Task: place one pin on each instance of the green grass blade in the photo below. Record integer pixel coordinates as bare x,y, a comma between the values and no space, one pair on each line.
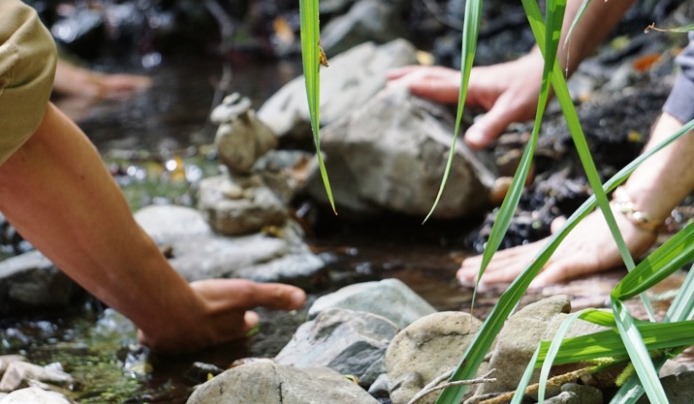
681,309
508,207
519,394
556,344
310,56
609,344
471,27
494,322
640,358
475,353
668,258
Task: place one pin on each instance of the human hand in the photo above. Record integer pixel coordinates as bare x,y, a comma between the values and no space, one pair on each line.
74,81
589,248
507,91
223,313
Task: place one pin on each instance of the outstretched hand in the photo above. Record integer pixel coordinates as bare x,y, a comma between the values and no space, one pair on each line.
589,248
224,313
507,91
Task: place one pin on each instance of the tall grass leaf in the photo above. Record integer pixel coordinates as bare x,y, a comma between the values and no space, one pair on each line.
681,309
668,258
501,311
471,27
640,359
311,59
555,16
475,353
554,349
524,382
657,337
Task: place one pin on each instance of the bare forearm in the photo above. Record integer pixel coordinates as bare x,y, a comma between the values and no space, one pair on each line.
59,195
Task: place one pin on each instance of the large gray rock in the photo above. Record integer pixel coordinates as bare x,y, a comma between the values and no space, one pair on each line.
269,383
349,342
390,155
31,281
367,21
200,253
389,298
425,350
352,79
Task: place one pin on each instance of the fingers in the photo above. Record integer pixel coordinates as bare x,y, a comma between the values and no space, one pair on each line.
277,296
240,294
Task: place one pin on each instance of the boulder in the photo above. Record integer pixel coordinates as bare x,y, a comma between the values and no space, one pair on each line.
269,383
390,156
351,80
425,350
389,298
350,342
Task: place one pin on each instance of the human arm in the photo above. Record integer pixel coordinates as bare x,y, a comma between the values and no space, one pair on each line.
508,91
59,195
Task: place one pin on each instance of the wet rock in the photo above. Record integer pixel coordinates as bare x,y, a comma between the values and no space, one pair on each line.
19,373
270,383
390,155
425,350
572,393
34,395
520,336
200,253
352,79
379,388
679,388
233,208
518,340
30,281
241,138
366,21
350,342
389,298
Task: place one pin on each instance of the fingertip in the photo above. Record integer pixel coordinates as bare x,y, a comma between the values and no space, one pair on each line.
251,320
478,138
297,298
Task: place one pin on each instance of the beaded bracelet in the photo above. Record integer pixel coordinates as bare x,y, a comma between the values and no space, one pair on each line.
621,201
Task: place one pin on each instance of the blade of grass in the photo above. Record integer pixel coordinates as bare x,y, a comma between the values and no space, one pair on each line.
310,56
668,258
471,27
475,353
681,309
640,359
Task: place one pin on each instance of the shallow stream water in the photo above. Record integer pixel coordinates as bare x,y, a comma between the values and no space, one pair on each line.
157,144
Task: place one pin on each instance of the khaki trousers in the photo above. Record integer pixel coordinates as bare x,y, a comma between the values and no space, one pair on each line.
27,69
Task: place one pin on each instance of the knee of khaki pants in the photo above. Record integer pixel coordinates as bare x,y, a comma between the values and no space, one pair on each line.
27,69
